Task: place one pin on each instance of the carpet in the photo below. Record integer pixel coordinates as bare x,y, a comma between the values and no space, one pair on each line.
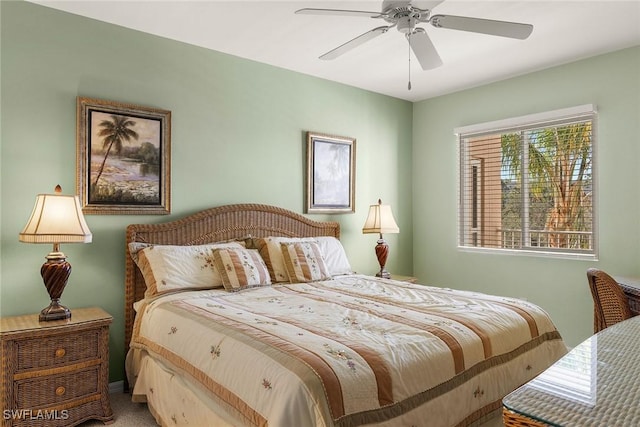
125,413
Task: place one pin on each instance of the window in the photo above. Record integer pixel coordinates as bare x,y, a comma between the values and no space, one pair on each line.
526,184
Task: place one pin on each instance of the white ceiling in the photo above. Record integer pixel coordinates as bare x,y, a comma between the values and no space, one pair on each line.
270,32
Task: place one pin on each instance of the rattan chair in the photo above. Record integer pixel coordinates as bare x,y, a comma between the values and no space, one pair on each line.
610,304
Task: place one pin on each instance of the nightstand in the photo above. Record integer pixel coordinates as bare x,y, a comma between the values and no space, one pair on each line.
404,278
55,373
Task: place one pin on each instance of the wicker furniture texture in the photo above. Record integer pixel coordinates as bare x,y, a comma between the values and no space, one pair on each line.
631,288
512,419
613,388
610,304
55,373
213,225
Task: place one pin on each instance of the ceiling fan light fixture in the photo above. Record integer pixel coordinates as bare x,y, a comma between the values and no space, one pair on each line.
406,25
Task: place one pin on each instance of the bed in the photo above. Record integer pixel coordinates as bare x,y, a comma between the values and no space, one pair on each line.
293,337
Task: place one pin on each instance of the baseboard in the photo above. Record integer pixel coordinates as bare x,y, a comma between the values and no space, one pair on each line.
116,387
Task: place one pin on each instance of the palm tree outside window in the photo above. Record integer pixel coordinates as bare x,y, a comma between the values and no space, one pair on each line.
526,184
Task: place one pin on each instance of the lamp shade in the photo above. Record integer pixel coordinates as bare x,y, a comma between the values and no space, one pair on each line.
56,218
380,220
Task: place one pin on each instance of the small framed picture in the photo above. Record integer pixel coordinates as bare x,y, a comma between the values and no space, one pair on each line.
331,168
123,158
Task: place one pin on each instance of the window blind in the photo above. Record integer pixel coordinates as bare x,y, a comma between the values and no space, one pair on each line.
526,184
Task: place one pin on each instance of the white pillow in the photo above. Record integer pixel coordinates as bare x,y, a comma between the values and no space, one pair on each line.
334,255
168,268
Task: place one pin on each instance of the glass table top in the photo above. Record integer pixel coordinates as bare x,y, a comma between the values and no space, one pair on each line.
596,384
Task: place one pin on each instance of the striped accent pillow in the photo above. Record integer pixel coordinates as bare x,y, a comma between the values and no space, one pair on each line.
304,262
271,253
241,268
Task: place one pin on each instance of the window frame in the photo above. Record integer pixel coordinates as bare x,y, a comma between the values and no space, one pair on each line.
515,124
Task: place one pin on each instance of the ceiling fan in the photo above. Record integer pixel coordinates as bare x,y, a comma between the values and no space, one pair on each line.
404,17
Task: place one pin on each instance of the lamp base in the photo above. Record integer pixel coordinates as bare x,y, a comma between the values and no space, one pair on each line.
382,251
54,311
384,274
55,273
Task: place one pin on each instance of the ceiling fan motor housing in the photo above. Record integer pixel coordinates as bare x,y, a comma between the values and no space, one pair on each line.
403,15
389,5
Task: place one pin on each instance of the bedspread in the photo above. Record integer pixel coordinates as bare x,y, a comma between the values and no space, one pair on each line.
351,351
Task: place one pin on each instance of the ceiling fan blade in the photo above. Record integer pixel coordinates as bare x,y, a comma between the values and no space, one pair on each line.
486,26
312,11
351,44
424,49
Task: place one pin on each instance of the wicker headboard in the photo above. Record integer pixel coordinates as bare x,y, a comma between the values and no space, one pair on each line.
213,225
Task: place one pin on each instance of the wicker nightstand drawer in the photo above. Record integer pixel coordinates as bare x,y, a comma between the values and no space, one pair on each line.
56,373
57,350
55,389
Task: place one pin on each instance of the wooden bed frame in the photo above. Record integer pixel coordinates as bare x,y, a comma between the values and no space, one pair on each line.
212,225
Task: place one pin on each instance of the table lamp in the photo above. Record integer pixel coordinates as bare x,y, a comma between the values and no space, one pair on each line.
380,220
56,219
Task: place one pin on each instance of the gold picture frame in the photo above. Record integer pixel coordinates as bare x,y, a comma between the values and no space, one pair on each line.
123,158
331,169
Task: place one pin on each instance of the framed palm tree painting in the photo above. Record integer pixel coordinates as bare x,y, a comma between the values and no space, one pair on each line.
123,158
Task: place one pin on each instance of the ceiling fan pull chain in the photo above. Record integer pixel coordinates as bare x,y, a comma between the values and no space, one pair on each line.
409,38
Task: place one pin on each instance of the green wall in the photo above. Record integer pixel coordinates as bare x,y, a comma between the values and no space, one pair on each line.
238,135
612,83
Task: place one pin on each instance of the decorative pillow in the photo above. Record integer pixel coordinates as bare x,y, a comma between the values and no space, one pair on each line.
168,268
135,247
271,253
241,268
304,262
245,241
334,255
